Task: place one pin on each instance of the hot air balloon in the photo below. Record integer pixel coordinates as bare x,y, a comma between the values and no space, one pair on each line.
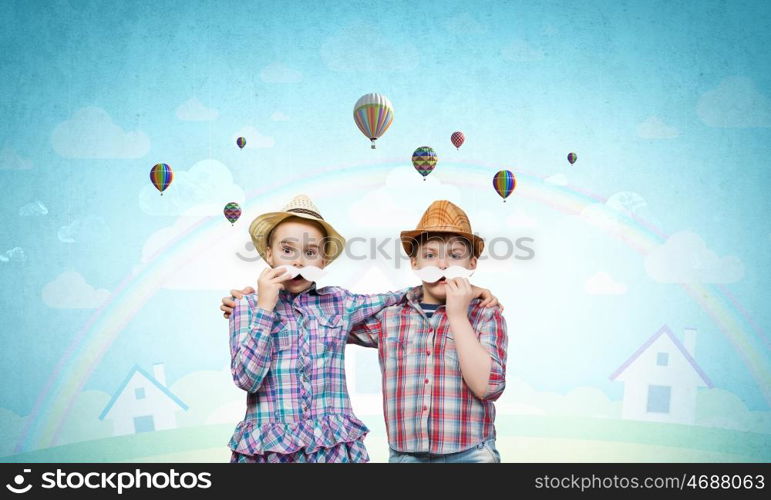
161,176
373,115
232,212
424,160
241,142
504,183
572,157
457,139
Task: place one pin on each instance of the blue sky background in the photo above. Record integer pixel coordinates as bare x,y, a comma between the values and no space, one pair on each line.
527,83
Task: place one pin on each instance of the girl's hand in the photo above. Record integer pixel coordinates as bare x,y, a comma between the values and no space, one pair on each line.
459,295
270,282
228,303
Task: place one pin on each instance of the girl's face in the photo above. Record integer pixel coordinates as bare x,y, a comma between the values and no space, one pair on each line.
442,252
299,244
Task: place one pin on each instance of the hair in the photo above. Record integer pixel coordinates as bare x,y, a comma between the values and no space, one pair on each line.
294,218
423,238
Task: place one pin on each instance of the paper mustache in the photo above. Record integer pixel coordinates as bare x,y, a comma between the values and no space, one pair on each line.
430,274
310,273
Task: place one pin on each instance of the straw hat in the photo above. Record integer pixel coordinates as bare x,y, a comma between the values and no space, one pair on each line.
443,216
300,206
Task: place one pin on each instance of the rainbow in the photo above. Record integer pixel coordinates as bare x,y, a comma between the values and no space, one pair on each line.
92,341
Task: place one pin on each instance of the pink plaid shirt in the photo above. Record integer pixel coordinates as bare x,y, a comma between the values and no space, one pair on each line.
428,407
290,362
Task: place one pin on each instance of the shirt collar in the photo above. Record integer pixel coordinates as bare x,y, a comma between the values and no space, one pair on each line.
311,290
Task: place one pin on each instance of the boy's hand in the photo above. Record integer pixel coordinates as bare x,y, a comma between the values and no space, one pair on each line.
488,299
228,303
459,295
270,282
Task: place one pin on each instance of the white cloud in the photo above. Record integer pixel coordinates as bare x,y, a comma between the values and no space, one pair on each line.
557,179
88,229
736,102
91,133
655,128
685,258
254,139
721,408
521,398
624,204
520,219
232,262
602,283
32,209
15,254
464,24
280,73
278,116
195,111
363,47
82,422
10,160
70,291
521,51
203,190
399,204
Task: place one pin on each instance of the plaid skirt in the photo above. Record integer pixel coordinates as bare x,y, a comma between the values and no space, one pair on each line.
341,453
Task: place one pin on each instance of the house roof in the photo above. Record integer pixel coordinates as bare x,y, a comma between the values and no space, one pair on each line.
149,377
664,330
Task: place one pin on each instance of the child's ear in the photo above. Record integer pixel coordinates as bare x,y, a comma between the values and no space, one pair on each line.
269,256
472,264
414,262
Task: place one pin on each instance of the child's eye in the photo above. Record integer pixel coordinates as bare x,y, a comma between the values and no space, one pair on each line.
457,256
311,253
286,250
428,256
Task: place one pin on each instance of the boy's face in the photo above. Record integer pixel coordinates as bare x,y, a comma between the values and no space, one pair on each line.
442,252
299,244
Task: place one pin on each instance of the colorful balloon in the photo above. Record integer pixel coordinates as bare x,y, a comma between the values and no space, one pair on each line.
241,142
457,139
232,212
504,183
572,157
424,160
161,176
373,115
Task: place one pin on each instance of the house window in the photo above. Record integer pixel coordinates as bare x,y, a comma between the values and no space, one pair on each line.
139,393
658,398
144,424
662,359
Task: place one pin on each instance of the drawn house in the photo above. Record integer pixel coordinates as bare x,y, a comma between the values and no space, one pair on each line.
661,379
143,403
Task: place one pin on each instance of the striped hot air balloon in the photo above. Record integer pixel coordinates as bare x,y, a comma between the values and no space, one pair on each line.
457,139
241,142
373,115
504,183
161,176
424,160
572,157
232,212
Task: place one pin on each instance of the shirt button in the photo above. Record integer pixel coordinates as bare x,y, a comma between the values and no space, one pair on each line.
425,381
425,408
428,353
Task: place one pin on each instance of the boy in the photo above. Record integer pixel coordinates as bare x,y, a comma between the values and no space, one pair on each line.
442,355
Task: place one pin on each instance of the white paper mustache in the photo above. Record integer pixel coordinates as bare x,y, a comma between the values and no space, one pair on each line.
430,274
310,273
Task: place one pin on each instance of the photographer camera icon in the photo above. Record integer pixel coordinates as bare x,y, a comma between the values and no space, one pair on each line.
19,481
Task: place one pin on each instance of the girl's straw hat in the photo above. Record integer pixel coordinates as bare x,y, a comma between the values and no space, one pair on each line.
300,206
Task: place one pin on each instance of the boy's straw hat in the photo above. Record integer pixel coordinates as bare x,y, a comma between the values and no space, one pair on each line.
300,206
443,216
